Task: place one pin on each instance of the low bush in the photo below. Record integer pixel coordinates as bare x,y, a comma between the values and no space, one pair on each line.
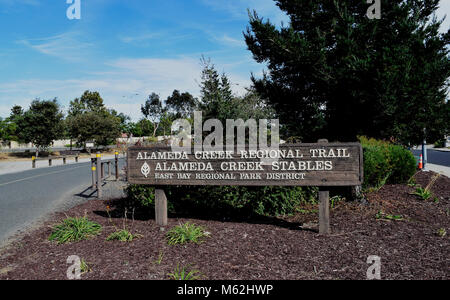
266,201
440,143
223,200
186,233
74,230
139,196
403,165
386,163
123,236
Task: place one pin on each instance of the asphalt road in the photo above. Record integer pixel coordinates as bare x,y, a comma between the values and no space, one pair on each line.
28,196
441,158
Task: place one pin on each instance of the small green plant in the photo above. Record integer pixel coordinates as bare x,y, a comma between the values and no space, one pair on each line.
442,232
123,236
412,182
185,233
160,258
382,216
85,267
185,273
74,230
335,200
424,194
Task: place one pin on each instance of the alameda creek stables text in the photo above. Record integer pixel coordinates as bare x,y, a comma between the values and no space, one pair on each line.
291,165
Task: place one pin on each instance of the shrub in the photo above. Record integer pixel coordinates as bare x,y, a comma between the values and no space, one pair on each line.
186,233
386,163
376,166
139,196
403,164
267,201
440,143
74,230
122,236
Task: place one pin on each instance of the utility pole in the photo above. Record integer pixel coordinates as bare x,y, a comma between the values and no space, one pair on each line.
424,149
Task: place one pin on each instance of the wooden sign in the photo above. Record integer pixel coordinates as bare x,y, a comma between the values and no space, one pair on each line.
321,164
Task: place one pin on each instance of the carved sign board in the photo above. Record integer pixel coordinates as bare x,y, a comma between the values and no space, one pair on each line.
322,164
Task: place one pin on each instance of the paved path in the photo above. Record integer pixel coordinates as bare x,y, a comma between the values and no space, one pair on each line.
27,197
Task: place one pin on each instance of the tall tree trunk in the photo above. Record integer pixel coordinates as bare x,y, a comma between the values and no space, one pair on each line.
156,126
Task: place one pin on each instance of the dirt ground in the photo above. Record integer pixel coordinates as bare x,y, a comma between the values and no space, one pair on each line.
261,248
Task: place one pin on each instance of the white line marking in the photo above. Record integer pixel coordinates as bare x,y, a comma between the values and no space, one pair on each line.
36,176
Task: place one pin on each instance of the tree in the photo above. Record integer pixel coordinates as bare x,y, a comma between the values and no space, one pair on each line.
165,124
102,128
218,102
90,120
335,73
2,129
216,95
42,123
124,120
88,102
181,105
142,128
11,125
153,111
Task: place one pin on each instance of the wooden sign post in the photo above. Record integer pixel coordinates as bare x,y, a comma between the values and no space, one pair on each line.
322,164
161,207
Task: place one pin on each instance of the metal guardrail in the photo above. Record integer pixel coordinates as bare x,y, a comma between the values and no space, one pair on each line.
98,171
52,158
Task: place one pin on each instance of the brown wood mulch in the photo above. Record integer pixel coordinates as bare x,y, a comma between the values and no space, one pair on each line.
266,248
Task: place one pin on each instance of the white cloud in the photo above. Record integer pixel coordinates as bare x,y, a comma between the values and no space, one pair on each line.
68,46
231,42
141,37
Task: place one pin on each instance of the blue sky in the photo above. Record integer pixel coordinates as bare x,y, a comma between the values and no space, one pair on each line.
125,49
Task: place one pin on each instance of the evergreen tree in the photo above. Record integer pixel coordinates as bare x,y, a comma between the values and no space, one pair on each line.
216,94
335,73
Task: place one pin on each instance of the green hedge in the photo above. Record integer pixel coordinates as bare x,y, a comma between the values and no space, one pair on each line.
386,163
226,200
